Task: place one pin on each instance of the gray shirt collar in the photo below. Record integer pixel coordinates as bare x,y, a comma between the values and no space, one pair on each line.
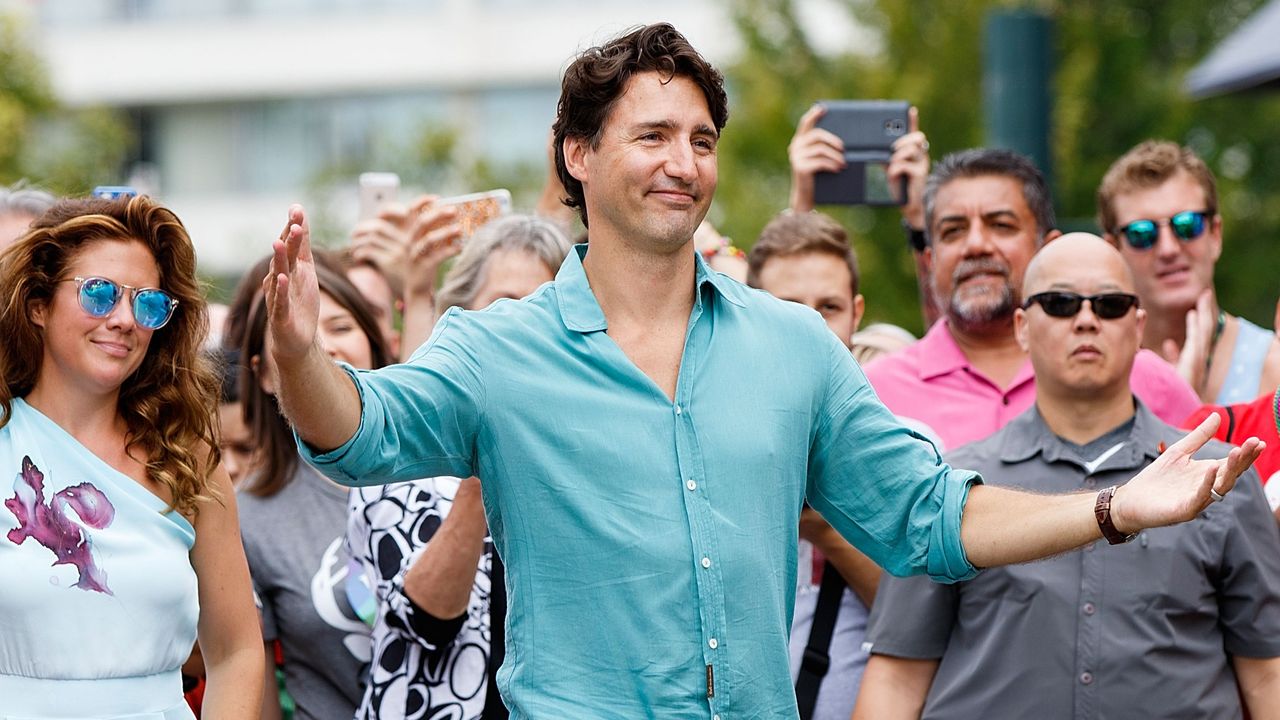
1027,435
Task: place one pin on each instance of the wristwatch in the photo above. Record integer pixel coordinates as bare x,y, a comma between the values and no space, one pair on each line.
1102,511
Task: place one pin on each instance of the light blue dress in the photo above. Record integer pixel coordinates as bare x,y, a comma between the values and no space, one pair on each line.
98,601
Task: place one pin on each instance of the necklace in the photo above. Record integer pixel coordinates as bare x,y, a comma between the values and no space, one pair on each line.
1213,344
1275,410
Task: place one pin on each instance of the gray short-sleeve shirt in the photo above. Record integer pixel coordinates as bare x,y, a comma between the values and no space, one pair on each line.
1139,630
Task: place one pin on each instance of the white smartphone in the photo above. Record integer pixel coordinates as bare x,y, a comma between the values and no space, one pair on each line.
476,209
377,189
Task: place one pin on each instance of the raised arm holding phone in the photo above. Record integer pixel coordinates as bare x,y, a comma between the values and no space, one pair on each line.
814,150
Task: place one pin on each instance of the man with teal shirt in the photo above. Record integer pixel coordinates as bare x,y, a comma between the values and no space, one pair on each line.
646,430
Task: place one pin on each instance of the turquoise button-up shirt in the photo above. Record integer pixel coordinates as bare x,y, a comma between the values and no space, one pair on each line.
650,545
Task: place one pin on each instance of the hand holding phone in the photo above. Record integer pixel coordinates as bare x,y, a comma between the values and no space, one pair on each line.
476,209
377,189
868,130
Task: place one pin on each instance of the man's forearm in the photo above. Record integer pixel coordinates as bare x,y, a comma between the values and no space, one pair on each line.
1002,526
319,399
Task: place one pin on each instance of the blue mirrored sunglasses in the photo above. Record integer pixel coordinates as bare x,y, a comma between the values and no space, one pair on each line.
1186,225
152,307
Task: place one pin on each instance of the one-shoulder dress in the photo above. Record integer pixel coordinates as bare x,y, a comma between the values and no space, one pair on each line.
98,601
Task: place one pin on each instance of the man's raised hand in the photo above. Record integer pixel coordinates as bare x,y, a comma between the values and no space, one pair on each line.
291,290
1176,487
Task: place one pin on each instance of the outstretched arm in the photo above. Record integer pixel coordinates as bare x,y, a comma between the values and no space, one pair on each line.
315,394
1003,526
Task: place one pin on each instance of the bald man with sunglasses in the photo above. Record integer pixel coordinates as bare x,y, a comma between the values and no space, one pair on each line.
1158,204
1175,622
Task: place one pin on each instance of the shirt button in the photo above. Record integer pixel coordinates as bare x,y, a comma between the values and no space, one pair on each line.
691,484
706,562
1086,678
1004,400
678,410
1089,608
713,643
715,717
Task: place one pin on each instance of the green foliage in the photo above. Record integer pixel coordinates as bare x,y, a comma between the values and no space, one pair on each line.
68,155
78,150
24,94
1118,77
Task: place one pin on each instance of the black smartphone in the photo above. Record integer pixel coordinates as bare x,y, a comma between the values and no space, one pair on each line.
868,129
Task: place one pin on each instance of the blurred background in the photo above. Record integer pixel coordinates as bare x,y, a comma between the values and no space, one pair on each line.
229,110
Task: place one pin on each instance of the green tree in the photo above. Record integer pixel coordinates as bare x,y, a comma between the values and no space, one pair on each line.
24,95
67,152
1118,79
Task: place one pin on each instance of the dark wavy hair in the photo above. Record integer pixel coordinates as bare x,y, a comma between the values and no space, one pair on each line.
595,80
167,404
277,456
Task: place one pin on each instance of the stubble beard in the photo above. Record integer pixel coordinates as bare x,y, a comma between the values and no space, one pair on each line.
979,311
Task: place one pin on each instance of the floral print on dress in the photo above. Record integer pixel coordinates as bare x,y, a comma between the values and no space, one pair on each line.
51,525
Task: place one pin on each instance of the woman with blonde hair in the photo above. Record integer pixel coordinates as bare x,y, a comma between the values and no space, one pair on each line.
118,537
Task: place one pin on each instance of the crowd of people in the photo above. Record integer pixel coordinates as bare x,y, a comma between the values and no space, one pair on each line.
647,474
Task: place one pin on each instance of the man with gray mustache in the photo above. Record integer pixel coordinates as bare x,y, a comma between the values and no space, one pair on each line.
987,211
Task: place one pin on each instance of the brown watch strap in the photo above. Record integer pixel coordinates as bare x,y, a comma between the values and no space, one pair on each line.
1102,511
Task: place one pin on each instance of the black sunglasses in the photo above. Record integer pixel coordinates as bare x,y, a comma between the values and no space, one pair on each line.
1186,225
1107,306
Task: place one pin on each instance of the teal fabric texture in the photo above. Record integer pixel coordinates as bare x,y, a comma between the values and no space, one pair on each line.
651,542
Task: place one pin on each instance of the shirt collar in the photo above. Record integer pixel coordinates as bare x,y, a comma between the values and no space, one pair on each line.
1027,435
939,353
580,311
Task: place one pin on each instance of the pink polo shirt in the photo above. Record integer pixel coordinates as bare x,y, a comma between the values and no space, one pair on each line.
931,381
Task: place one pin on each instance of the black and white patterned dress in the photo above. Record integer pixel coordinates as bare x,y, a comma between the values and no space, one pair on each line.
422,667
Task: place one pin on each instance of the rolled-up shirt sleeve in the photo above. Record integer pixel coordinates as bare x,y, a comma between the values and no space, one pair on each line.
417,419
882,486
